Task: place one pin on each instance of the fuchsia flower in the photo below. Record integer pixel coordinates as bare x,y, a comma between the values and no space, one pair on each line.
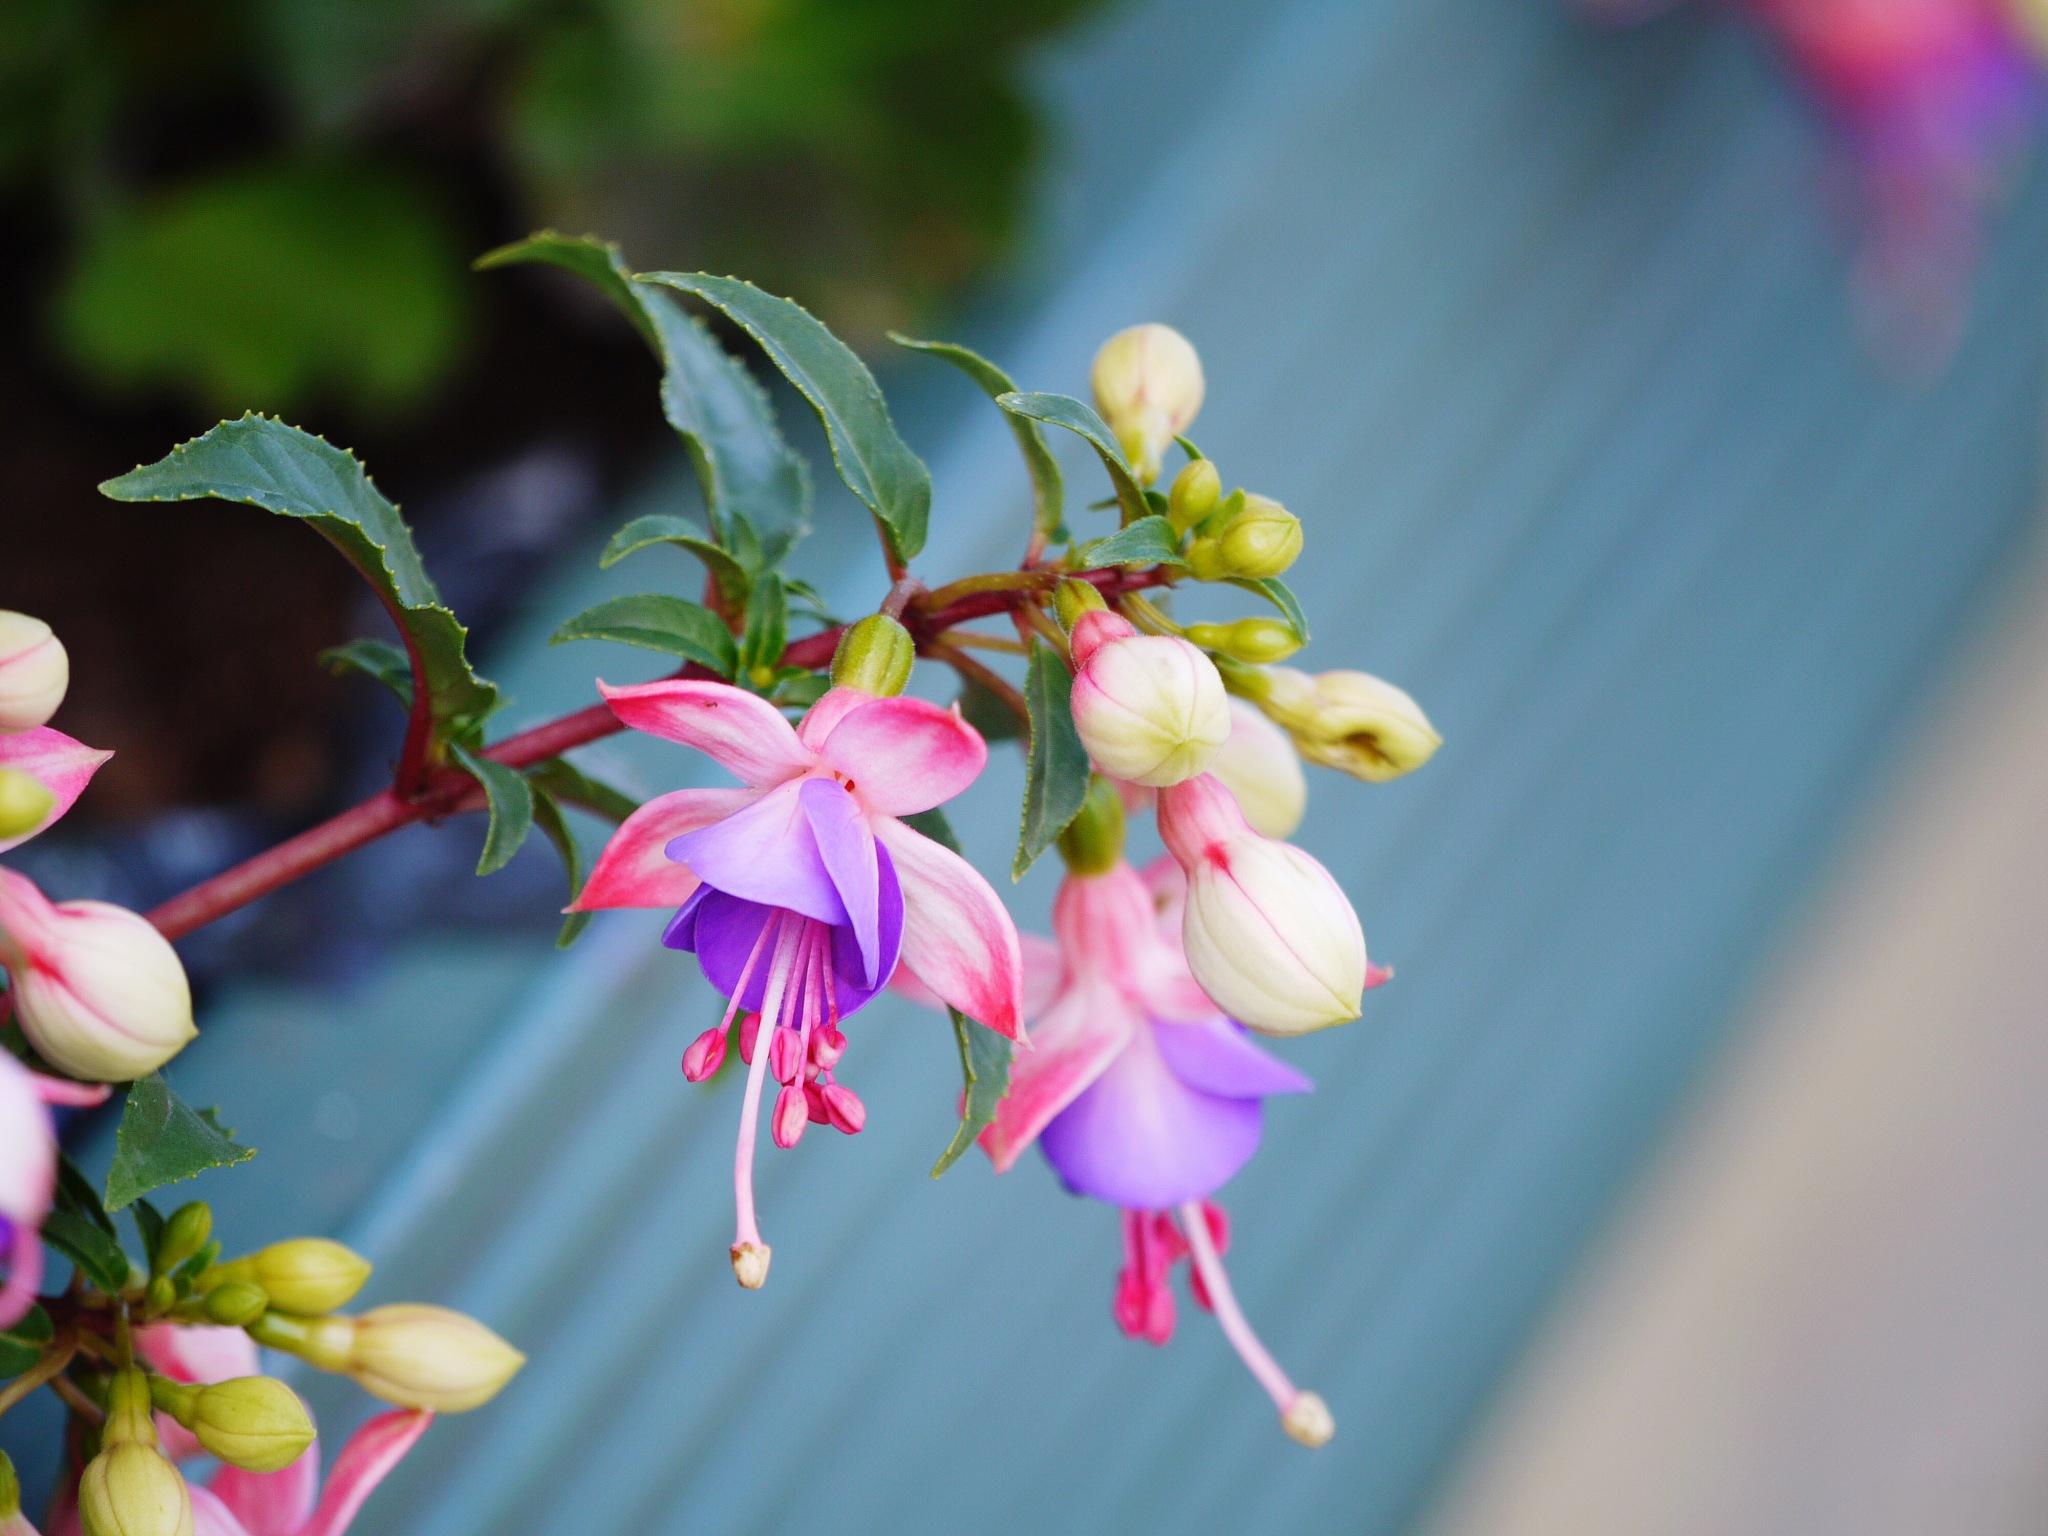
800,892
28,1174
1142,1093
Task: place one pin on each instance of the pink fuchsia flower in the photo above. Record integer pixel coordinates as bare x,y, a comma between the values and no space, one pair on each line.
800,891
1142,1094
28,1175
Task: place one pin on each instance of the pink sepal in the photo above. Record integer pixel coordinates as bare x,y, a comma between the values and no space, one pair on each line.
742,732
1095,629
1072,1045
902,756
211,1515
63,766
634,870
368,1458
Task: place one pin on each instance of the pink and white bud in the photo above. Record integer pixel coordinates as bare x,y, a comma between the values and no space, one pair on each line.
1269,934
1148,386
98,991
1150,709
34,672
1262,771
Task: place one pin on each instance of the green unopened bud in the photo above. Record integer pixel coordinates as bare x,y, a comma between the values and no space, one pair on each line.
236,1304
253,1422
324,1343
25,803
133,1490
162,1294
1262,540
1072,598
1196,490
10,1493
308,1275
421,1356
128,1410
1094,840
184,1234
874,657
1258,641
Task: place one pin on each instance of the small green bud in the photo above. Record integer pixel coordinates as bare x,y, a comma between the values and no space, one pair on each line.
875,657
1196,490
236,1304
325,1343
1072,598
308,1275
133,1490
25,803
252,1422
162,1294
128,1410
184,1234
1094,840
1258,641
1263,540
10,1489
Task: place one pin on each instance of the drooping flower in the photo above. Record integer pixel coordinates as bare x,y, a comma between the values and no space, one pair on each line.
800,891
1141,1093
28,1174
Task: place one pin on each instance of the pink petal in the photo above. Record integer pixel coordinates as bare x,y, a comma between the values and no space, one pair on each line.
1081,1034
743,732
270,1503
1042,971
212,1517
64,766
905,755
364,1462
956,934
633,870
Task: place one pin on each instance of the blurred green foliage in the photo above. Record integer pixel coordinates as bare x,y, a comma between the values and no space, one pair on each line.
259,200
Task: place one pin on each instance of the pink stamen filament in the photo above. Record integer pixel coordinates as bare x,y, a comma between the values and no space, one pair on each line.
1209,1265
788,929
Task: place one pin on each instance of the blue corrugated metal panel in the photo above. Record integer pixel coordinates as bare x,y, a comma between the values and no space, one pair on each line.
1536,326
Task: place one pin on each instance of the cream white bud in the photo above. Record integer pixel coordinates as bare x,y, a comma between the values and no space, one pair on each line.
1262,771
1351,721
131,1489
1150,709
421,1356
99,992
1269,934
1148,387
34,672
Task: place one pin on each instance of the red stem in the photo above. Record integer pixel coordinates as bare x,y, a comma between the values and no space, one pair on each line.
448,789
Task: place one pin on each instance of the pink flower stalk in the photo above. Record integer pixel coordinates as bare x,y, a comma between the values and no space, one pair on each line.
28,1175
1143,1094
800,892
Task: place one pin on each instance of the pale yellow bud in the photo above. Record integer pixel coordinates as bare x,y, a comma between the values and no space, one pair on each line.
421,1356
1148,387
34,672
252,1422
1352,721
874,657
307,1275
1196,490
131,1489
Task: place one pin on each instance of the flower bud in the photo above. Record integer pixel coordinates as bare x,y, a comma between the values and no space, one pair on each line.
1255,641
34,672
12,1521
1268,933
1262,771
421,1356
1093,841
1262,540
98,991
307,1275
1072,598
236,1304
25,803
253,1422
184,1234
1150,709
131,1489
1195,492
874,656
1351,721
1148,387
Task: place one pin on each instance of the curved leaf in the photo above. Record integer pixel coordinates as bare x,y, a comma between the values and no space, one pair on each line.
666,528
510,799
654,621
1281,596
1149,541
162,1140
876,464
1048,490
261,462
1066,411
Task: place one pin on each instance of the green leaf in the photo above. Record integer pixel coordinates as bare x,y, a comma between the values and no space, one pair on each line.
570,785
1056,768
510,799
149,1225
76,1195
654,621
876,464
264,463
1048,491
22,1342
162,1141
378,660
665,528
1281,596
1149,541
97,1255
1066,411
767,631
757,489
547,815
988,714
